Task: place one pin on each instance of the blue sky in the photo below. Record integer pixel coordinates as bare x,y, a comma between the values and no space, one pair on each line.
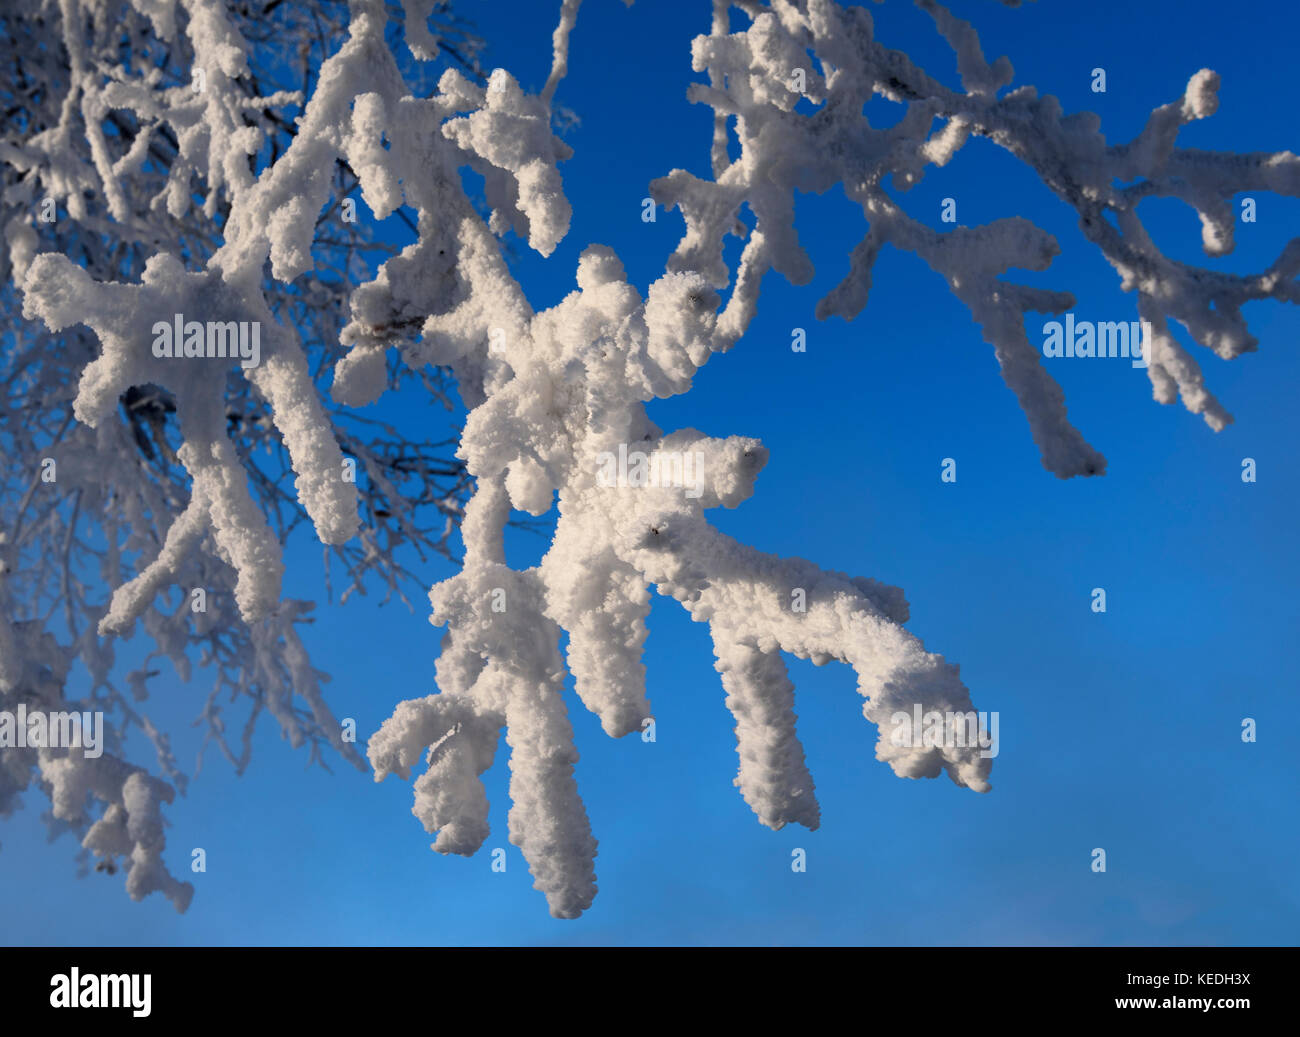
1119,731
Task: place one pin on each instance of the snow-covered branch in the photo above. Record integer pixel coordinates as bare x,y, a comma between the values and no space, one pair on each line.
557,395
556,398
132,134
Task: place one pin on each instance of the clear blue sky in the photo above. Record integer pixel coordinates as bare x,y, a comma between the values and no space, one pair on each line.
1119,731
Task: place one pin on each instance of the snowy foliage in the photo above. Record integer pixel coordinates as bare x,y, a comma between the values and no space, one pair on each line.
131,134
570,383
551,393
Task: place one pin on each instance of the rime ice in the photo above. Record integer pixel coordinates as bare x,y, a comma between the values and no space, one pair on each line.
552,393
